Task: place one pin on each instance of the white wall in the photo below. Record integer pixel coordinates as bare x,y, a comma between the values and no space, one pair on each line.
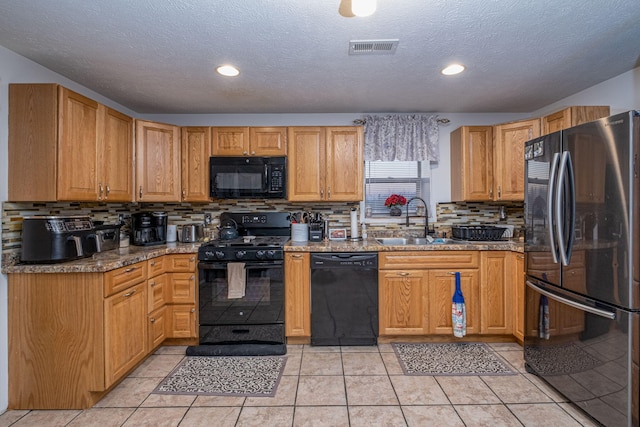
622,93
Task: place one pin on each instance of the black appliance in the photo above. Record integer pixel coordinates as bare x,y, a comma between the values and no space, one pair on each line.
51,239
149,228
248,177
344,298
582,296
241,288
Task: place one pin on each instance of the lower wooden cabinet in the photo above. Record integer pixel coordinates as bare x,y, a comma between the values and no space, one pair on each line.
517,263
496,299
125,342
74,335
442,285
404,300
297,284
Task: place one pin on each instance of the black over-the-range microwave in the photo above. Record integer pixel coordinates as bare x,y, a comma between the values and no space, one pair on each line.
248,177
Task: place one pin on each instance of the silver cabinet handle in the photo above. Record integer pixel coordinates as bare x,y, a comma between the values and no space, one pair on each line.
128,294
141,191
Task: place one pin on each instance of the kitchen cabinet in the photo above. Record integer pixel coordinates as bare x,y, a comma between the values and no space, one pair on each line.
517,264
88,330
572,116
472,163
195,152
508,158
325,164
297,280
182,318
65,146
405,296
249,141
157,162
442,285
157,284
416,290
496,300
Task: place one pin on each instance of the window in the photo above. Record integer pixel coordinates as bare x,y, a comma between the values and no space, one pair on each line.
409,179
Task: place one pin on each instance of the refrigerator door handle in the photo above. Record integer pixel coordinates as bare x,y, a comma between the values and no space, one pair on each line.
550,197
598,312
572,218
565,171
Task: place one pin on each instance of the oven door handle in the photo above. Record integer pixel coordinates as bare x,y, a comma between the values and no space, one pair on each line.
248,265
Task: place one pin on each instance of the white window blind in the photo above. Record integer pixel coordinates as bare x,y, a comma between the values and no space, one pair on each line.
408,179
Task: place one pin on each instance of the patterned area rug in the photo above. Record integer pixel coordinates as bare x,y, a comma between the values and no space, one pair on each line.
450,359
225,376
560,359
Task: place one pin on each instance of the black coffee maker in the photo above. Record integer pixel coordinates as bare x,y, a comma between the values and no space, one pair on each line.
149,228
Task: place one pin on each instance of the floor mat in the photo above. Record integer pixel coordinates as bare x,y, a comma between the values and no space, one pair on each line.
225,376
450,359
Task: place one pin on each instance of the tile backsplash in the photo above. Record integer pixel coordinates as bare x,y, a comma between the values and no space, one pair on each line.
447,214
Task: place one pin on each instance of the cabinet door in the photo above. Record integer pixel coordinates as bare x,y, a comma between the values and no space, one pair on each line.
185,263
403,302
508,156
157,162
344,164
156,291
157,328
116,153
181,288
196,146
442,285
125,325
572,116
518,295
78,127
181,322
496,300
268,141
297,295
230,141
306,164
472,163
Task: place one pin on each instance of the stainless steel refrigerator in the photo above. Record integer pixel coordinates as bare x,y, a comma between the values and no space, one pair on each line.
582,297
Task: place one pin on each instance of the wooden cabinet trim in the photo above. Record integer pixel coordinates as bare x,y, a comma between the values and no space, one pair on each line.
429,259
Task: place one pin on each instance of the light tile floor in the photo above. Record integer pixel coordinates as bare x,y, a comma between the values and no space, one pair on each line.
329,386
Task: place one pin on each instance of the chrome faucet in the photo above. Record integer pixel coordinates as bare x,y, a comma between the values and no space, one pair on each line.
426,215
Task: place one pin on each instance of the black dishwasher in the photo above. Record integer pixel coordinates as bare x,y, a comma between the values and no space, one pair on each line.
344,298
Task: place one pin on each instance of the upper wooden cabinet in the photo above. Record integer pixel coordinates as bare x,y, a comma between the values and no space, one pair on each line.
472,163
73,148
508,158
325,164
157,162
249,141
572,116
195,152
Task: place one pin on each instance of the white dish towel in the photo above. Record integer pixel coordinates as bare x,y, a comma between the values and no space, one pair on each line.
236,280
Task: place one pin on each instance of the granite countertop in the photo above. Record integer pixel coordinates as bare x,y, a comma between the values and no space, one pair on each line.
106,261
371,245
110,260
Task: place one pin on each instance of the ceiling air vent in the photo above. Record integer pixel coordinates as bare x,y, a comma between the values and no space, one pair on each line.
373,47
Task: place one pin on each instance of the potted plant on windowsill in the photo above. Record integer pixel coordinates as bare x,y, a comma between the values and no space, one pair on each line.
394,202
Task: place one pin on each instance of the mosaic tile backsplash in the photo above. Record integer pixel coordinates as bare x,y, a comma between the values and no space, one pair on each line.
447,214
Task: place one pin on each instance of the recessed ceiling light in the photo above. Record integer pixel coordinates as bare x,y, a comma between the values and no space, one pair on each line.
363,7
228,70
453,69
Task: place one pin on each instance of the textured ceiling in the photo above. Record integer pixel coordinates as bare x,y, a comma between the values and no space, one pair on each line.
157,56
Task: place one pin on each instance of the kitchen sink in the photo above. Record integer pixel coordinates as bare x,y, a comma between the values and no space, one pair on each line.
399,241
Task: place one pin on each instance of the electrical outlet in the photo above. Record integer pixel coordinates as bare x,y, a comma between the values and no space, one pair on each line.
208,219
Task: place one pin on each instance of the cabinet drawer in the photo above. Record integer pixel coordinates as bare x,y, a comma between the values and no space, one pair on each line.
429,259
181,288
124,277
157,328
182,263
156,290
156,266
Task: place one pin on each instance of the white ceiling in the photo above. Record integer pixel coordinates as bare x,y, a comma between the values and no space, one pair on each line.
156,56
